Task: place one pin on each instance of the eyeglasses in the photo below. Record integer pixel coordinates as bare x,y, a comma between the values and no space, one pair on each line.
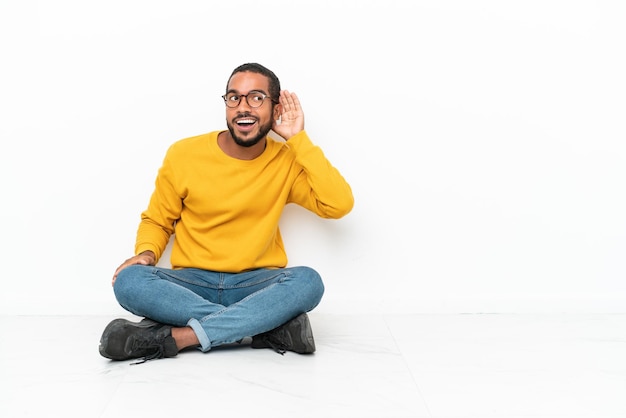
254,99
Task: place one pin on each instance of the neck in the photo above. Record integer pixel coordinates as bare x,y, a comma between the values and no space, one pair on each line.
230,147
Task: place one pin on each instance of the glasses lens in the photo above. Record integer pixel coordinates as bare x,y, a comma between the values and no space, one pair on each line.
255,99
232,99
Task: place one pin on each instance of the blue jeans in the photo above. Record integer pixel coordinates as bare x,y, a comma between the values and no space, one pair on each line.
221,308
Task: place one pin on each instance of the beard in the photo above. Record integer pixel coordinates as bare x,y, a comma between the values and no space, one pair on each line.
242,142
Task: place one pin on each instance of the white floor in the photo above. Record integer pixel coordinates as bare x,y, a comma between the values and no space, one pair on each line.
379,366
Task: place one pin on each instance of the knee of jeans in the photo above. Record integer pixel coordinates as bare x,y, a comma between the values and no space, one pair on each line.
126,280
313,282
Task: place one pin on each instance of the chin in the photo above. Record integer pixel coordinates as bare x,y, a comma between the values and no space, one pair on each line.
250,142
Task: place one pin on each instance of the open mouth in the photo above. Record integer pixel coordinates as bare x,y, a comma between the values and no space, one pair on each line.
245,124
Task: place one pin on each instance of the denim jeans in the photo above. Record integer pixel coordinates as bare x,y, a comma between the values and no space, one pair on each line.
221,308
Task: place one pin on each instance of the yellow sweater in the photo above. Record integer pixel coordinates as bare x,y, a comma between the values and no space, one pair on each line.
225,212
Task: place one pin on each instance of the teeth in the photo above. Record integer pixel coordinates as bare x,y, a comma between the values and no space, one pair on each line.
245,121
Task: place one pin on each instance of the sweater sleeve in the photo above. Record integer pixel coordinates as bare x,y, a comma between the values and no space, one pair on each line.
319,186
158,220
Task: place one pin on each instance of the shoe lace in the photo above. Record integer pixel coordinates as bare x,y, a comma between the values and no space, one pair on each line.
275,344
152,344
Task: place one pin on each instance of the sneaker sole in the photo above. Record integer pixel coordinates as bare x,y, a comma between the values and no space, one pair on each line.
306,335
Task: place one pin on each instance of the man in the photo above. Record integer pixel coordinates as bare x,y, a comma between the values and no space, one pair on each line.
222,194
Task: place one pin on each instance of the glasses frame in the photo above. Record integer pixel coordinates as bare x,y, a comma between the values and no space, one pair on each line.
265,96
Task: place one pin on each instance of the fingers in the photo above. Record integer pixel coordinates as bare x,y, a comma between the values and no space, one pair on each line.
120,268
289,101
138,259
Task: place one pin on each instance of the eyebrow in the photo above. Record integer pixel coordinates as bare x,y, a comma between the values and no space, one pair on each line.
251,91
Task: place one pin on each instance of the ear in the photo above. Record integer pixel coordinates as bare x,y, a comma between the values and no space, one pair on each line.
278,110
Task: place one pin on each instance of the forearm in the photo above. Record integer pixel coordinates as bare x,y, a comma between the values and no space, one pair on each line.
322,188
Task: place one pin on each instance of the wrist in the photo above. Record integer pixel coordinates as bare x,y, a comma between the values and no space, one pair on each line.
150,254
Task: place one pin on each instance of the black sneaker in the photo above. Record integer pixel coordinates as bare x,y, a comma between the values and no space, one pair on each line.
295,335
124,340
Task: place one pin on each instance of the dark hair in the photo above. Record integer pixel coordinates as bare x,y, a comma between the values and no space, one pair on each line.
259,69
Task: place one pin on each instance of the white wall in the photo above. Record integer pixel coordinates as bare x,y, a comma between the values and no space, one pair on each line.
484,140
